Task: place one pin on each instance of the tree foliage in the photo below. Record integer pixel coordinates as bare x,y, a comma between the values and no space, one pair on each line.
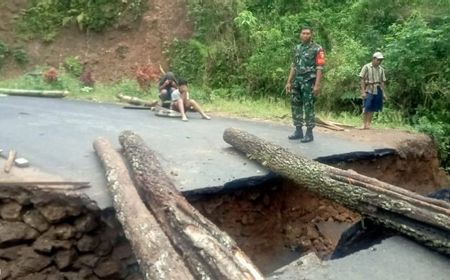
247,45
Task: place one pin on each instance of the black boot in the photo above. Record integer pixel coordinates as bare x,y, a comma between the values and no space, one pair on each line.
298,134
309,137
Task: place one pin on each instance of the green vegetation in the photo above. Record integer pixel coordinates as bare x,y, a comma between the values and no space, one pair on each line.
66,81
18,53
243,48
73,66
44,18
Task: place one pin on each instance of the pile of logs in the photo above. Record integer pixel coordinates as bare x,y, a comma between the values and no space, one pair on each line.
424,219
169,237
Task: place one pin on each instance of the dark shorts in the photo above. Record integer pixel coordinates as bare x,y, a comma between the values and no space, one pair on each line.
373,102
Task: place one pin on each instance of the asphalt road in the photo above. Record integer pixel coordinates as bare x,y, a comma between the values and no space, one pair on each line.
56,136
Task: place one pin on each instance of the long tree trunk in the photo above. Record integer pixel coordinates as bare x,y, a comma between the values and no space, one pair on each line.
157,258
35,93
209,252
425,219
136,101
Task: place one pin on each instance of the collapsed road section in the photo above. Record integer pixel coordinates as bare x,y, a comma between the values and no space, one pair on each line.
58,233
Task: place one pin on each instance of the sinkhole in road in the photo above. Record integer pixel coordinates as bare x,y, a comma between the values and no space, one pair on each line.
53,235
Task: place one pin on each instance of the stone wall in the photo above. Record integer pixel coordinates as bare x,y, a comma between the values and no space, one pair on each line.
59,235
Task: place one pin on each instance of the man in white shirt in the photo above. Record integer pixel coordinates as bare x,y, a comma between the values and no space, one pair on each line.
372,79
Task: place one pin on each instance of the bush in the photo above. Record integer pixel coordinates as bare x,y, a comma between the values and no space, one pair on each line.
43,18
73,66
20,56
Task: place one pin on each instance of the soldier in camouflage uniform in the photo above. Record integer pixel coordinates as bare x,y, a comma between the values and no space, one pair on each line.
304,84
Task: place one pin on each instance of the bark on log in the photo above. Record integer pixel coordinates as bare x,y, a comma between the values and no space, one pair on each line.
35,93
136,101
9,161
156,257
208,252
426,220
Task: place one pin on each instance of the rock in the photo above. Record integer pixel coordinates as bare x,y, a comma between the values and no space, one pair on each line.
34,276
85,273
16,231
65,258
87,243
29,262
135,276
86,223
55,212
53,273
70,275
11,253
11,211
122,251
62,232
104,248
311,232
89,260
21,162
4,269
34,219
46,245
108,269
21,196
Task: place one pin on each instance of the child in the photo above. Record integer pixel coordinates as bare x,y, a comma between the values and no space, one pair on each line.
181,101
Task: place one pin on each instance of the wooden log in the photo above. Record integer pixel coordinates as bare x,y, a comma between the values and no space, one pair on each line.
208,252
404,211
9,161
156,257
35,93
136,101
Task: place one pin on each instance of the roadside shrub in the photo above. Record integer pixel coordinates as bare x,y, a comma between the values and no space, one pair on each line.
87,79
145,74
50,75
73,66
20,56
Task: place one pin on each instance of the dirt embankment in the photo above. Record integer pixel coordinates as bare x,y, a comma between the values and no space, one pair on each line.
415,165
110,54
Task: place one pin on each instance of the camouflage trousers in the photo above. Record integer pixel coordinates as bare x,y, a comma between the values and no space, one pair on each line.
302,101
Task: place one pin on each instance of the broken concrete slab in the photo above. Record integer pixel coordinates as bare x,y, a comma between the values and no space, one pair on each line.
394,258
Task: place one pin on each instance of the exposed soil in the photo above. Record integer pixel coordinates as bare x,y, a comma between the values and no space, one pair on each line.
110,54
415,166
277,222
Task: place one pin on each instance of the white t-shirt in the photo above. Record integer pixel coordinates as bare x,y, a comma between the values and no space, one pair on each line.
176,94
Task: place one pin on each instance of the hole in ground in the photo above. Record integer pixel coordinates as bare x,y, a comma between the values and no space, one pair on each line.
276,222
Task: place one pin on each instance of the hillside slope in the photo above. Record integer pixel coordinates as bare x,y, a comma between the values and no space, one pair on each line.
110,54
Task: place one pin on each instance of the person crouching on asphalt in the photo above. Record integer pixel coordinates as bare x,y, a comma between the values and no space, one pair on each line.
167,84
304,84
372,88
181,102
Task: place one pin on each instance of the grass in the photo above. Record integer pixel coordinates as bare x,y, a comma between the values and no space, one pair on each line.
216,101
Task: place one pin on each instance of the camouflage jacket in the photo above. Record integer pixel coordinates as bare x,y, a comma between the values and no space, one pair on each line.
308,58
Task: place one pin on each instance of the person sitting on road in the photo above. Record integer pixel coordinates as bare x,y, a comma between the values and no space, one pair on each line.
167,84
181,101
